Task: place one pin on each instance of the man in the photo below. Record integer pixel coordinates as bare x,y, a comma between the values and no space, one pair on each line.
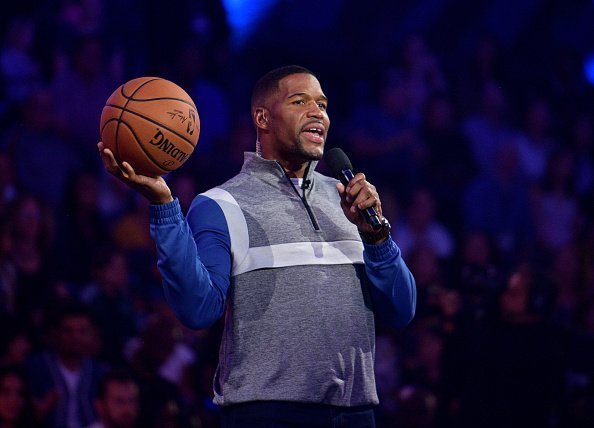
273,247
118,402
64,379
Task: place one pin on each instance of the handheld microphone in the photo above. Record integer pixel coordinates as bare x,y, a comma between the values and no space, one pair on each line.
341,167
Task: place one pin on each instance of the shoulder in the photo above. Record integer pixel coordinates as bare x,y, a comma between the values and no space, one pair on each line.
214,210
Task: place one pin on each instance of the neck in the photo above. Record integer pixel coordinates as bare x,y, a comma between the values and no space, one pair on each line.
71,363
294,170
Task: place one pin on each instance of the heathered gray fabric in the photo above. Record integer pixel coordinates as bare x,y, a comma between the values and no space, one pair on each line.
298,333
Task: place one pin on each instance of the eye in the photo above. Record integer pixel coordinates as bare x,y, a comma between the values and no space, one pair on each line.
299,102
322,106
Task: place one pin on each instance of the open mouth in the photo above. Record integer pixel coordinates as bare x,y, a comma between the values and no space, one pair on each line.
314,134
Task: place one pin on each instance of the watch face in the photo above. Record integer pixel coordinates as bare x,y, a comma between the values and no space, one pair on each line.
379,234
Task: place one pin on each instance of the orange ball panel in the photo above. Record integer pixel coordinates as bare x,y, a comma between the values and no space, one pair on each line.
176,116
163,148
151,123
142,161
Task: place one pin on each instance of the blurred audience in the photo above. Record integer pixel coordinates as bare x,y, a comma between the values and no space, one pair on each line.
481,143
499,203
487,129
79,94
42,159
81,229
31,226
117,403
420,227
535,141
19,69
110,301
557,215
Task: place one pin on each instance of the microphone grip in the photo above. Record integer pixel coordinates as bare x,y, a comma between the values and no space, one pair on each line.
369,214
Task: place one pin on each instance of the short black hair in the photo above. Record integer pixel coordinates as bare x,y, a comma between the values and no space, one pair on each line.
269,82
69,309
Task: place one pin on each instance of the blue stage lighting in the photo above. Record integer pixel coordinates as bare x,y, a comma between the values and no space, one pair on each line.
244,16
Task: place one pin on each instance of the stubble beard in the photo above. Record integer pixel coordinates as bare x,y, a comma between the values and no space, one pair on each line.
305,155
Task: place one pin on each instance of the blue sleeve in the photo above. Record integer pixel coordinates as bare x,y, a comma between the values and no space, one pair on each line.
393,287
194,259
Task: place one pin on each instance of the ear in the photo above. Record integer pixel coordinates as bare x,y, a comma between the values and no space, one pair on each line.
261,117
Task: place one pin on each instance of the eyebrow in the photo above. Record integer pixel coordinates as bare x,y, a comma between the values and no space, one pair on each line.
303,94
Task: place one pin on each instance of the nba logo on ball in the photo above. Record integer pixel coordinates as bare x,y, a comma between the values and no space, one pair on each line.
152,124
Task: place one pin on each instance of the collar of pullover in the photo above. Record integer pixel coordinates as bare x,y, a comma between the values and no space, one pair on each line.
270,171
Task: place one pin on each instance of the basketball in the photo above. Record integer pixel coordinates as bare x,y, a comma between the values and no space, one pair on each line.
152,124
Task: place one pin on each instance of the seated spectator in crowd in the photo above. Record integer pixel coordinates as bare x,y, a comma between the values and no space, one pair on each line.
19,69
65,377
420,227
477,276
86,82
7,270
499,204
42,159
571,287
8,184
422,72
16,406
513,372
117,403
581,140
488,129
15,343
81,230
110,301
383,136
31,228
557,216
430,280
535,142
130,231
449,165
160,399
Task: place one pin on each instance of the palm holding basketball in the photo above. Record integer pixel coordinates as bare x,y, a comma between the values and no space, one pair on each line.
154,189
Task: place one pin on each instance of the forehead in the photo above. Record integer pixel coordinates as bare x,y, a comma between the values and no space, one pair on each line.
75,321
119,388
301,83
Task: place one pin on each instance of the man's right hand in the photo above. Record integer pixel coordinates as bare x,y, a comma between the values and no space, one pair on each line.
154,189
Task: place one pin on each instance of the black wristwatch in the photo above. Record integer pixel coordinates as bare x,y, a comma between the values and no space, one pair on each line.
377,235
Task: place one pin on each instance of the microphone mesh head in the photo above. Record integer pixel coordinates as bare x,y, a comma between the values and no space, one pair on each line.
337,161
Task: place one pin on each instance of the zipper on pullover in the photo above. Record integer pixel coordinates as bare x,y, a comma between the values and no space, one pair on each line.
310,213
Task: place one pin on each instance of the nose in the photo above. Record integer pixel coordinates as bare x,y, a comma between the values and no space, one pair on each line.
315,110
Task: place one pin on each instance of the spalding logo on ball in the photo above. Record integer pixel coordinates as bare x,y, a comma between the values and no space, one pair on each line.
152,124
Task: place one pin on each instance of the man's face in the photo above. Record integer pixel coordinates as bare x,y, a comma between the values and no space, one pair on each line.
75,336
119,407
298,120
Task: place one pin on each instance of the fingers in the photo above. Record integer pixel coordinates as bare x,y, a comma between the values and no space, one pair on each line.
123,170
109,161
128,171
361,194
154,189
